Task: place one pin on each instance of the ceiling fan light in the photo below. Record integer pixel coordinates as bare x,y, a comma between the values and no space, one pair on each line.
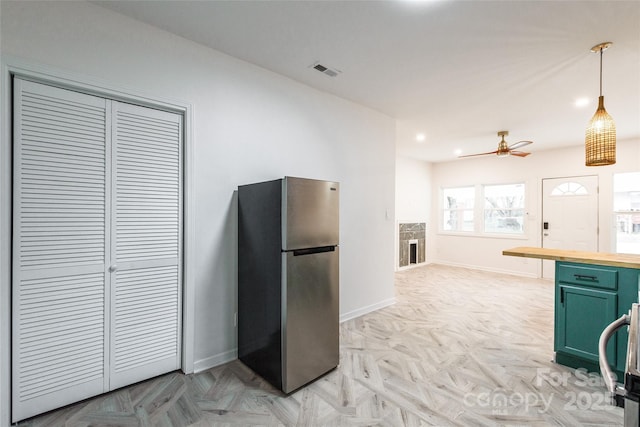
503,148
600,138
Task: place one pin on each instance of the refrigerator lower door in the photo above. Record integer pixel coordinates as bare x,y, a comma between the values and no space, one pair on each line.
310,320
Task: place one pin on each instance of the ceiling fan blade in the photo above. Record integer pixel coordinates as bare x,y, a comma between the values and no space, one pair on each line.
519,144
479,154
519,153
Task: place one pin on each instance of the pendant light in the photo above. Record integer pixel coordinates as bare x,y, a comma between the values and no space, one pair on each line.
600,136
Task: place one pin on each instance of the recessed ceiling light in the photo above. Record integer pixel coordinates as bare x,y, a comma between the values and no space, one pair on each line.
457,152
582,102
420,137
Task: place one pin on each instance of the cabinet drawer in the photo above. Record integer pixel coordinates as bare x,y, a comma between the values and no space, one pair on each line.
596,277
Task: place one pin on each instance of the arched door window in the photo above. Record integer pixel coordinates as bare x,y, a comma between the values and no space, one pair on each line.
569,189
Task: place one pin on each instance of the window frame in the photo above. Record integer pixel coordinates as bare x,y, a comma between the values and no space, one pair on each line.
479,211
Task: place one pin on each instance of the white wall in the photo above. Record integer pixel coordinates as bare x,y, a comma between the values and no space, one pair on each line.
413,189
413,195
248,125
486,253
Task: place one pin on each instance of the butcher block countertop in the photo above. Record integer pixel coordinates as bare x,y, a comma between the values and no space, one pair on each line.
597,258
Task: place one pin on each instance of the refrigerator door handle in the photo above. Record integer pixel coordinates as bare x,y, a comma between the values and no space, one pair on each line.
607,373
310,251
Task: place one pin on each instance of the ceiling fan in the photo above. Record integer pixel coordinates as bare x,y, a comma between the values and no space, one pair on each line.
504,149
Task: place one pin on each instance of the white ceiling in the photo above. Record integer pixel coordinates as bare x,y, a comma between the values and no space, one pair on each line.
457,71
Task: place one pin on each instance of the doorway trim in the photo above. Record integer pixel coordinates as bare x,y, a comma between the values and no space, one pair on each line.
13,66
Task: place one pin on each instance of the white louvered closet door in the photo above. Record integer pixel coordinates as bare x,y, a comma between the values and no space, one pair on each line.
97,246
60,246
146,287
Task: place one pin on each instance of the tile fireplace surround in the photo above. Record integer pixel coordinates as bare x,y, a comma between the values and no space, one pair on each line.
411,233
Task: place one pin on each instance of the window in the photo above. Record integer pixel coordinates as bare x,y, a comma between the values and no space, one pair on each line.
504,208
457,212
626,207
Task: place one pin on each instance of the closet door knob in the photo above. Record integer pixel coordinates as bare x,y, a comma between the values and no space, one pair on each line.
113,268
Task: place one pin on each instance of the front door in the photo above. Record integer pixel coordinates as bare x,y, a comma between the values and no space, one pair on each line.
569,216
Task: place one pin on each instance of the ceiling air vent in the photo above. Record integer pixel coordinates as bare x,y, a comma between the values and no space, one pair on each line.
325,70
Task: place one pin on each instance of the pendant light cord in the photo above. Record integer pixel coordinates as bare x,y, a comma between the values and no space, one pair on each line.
601,51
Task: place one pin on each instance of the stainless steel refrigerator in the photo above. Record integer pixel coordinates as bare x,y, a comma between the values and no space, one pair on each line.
288,285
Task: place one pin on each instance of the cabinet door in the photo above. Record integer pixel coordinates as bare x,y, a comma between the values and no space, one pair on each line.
627,296
581,316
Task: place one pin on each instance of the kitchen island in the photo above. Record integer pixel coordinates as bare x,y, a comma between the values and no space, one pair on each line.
592,289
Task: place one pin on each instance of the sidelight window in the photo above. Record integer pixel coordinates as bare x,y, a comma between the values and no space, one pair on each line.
626,206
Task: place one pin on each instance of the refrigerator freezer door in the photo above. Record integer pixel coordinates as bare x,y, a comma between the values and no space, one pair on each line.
311,344
310,213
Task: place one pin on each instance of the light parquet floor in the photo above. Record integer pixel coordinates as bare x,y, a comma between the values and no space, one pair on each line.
459,348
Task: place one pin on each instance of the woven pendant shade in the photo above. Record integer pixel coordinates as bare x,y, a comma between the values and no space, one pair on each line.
600,138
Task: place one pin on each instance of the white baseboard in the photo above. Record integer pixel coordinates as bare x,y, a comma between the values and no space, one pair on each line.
368,309
216,360
228,356
489,269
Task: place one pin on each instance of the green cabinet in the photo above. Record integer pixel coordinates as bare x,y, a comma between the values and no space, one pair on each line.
587,299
